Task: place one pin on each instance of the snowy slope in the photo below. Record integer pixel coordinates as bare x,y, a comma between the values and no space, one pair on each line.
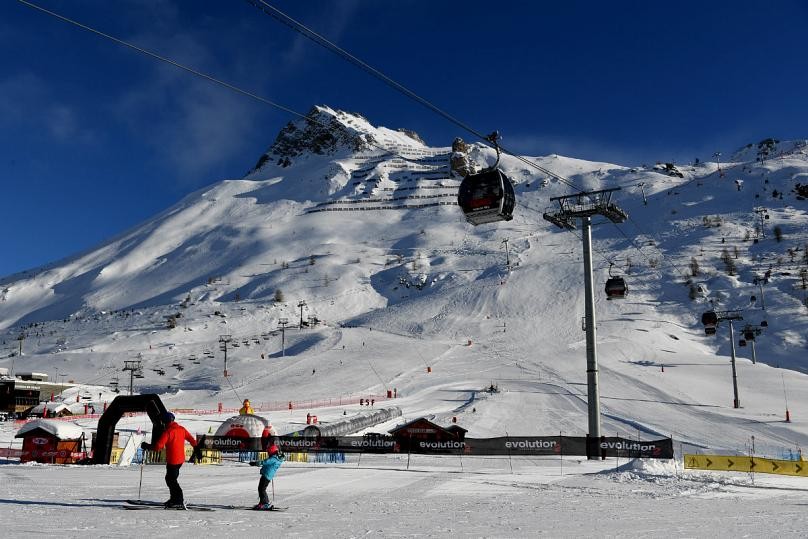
400,288
410,298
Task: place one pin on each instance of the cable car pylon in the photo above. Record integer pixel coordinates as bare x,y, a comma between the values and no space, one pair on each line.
582,206
710,320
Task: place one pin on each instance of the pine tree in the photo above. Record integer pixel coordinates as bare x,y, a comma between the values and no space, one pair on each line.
694,267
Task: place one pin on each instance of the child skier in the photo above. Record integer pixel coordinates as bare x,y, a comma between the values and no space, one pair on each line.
269,467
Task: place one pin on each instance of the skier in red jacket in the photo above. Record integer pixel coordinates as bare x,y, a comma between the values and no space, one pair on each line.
173,439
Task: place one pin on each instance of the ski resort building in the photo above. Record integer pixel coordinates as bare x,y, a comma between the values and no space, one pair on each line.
51,442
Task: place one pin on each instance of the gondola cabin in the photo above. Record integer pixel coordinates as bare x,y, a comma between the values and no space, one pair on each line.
710,322
616,288
486,197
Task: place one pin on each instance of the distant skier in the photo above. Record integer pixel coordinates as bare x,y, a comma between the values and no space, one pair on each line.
269,467
247,409
173,439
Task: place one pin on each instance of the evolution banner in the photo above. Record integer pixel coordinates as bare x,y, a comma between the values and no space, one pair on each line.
504,446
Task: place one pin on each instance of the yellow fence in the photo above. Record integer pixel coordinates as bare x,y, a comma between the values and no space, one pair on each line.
734,463
209,456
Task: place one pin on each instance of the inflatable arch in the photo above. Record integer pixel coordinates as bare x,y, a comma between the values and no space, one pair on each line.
149,403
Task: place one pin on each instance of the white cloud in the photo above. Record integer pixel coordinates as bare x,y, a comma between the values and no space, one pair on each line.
27,102
193,124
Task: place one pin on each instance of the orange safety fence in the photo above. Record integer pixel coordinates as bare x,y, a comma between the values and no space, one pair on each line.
273,406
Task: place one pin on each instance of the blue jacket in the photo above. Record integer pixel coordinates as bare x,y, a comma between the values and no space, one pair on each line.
270,466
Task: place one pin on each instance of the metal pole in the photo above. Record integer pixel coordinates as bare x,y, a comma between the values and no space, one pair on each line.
283,341
591,352
754,353
736,403
762,297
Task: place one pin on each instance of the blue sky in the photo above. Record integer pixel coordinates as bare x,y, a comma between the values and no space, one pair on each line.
97,138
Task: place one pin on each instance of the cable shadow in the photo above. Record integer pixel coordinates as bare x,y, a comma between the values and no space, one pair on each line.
662,402
58,504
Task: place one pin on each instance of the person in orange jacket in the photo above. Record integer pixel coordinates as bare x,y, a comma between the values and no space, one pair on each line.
173,439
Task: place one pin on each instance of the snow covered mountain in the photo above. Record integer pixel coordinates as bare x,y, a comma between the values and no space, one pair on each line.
353,230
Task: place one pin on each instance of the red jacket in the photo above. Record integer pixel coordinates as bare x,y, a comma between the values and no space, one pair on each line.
173,439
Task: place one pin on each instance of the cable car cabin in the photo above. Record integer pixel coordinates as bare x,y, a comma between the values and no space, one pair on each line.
486,197
710,321
742,343
749,335
616,288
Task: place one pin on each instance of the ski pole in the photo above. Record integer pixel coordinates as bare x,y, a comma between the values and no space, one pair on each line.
273,491
142,460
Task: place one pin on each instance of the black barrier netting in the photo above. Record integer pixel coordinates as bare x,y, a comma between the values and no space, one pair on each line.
503,446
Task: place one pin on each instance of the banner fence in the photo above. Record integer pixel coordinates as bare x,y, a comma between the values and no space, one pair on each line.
533,446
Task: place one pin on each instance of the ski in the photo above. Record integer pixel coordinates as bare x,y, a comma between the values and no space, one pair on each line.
248,508
273,508
145,504
148,504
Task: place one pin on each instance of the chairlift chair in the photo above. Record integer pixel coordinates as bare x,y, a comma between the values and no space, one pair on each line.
749,335
487,196
742,342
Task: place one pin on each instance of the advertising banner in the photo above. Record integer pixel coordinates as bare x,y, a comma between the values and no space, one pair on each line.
533,446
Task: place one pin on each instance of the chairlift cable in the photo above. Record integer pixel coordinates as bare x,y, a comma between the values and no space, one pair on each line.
333,47
201,74
336,49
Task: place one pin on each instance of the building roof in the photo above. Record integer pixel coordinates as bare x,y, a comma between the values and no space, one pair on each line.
451,430
64,430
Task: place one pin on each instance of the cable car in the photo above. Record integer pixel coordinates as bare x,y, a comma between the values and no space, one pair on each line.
764,324
742,342
487,196
710,321
749,335
615,286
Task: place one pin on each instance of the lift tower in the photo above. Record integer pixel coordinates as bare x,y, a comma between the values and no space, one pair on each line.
583,206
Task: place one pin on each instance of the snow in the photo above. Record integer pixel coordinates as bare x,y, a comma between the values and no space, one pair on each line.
417,301
380,497
64,430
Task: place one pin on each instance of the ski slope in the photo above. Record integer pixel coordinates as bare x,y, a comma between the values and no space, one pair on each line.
417,301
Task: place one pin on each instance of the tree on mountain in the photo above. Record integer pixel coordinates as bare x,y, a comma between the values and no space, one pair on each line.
279,297
729,263
694,267
778,233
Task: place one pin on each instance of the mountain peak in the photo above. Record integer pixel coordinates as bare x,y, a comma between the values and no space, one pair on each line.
325,131
322,132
